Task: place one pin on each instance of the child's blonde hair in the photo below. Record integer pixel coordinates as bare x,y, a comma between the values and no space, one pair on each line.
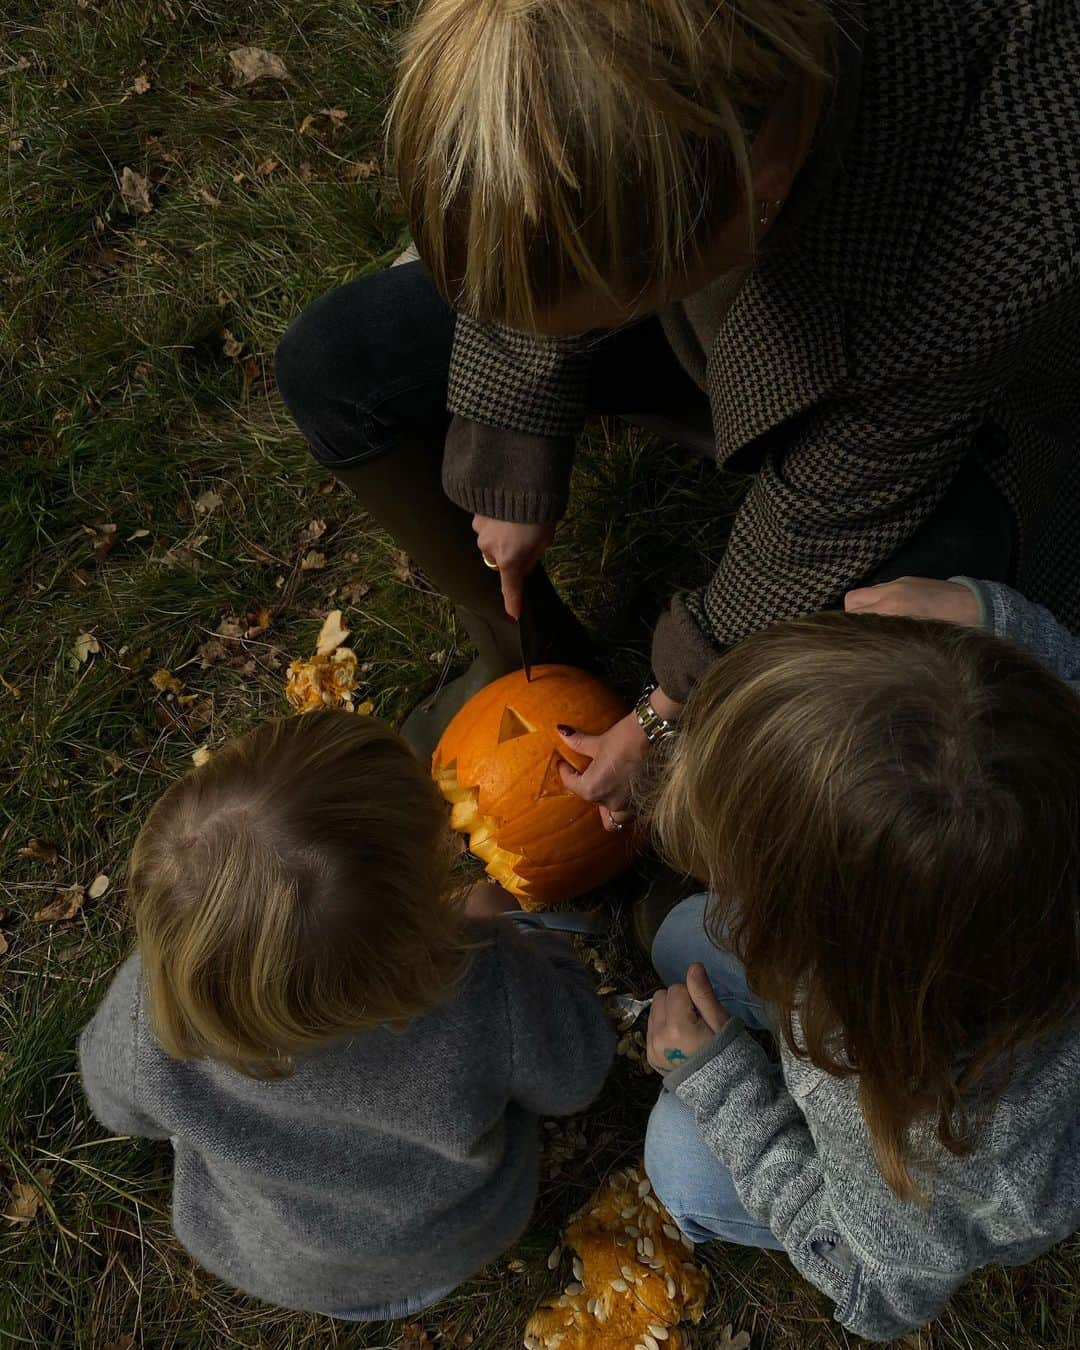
293,890
887,813
545,146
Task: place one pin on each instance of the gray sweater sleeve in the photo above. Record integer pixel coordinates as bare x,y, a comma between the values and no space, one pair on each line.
107,1057
561,1042
755,1127
1006,614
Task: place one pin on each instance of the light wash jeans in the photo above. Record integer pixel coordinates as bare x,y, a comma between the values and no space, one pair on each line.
689,1178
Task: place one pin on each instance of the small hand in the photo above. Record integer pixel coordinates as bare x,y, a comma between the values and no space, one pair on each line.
485,900
515,550
615,757
682,1020
918,597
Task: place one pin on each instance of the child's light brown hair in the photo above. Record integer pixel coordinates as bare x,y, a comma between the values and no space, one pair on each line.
292,890
549,146
887,813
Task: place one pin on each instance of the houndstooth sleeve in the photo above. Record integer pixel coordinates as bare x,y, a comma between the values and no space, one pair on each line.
518,402
851,485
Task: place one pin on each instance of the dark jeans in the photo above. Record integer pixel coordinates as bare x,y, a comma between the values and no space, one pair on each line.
365,367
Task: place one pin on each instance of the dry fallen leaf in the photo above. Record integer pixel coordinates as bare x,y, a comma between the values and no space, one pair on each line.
361,169
166,682
97,887
729,1342
124,1342
66,905
206,503
140,84
25,1198
255,63
414,1337
312,562
104,537
355,590
3,945
232,349
403,567
201,756
41,849
135,191
84,646
314,529
331,635
455,1335
266,167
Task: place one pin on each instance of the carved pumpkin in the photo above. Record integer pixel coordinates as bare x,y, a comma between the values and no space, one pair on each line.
498,763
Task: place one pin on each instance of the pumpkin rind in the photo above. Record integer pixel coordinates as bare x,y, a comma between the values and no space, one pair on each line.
497,764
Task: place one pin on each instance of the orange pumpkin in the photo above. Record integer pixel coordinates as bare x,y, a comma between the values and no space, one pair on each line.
498,764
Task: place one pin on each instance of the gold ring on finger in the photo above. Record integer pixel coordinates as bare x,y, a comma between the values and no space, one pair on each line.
490,562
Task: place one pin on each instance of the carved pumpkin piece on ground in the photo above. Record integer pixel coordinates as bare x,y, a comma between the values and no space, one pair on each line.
634,1281
498,763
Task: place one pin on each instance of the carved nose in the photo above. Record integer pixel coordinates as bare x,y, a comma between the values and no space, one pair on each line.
513,725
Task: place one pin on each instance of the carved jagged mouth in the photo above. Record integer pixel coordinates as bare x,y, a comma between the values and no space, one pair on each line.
466,818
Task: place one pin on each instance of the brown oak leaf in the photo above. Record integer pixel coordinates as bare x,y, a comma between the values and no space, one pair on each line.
66,905
256,63
135,191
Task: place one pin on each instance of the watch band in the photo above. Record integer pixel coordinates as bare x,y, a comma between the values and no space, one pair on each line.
652,724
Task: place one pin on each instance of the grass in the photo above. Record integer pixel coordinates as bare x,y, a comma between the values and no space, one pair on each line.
135,379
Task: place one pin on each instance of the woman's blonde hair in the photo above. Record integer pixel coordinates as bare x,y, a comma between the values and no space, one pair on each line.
546,146
293,890
887,814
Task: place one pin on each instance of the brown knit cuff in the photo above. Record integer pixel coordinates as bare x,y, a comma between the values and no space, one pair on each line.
508,475
681,653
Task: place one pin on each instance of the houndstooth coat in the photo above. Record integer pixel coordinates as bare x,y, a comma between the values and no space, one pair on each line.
933,289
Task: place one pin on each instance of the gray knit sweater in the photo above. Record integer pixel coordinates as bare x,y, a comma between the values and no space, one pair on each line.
390,1166
801,1159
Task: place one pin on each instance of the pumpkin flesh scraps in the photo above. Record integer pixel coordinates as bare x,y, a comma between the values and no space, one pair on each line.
634,1281
323,682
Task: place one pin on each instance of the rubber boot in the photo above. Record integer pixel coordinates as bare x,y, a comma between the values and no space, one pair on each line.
402,490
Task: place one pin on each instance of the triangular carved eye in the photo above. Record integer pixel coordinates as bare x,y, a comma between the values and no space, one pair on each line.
552,785
513,725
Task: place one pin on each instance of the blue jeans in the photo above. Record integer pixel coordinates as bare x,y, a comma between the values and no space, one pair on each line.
688,1177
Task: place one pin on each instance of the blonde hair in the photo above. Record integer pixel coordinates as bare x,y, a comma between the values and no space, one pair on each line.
545,146
887,814
292,890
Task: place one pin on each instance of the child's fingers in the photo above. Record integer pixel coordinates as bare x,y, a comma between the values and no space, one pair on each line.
704,1000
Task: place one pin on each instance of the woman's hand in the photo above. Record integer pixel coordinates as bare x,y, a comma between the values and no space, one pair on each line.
682,1020
918,597
615,757
514,550
485,900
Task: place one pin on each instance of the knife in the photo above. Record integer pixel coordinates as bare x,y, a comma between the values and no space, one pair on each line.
525,633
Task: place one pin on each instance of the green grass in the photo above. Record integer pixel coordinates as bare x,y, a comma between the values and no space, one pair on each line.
123,399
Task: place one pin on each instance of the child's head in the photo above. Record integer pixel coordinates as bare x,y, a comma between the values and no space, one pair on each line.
550,151
887,812
293,890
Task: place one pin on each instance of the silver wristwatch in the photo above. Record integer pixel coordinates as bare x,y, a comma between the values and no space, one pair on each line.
652,724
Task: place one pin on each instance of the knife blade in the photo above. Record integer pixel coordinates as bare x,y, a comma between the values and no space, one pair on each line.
525,633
